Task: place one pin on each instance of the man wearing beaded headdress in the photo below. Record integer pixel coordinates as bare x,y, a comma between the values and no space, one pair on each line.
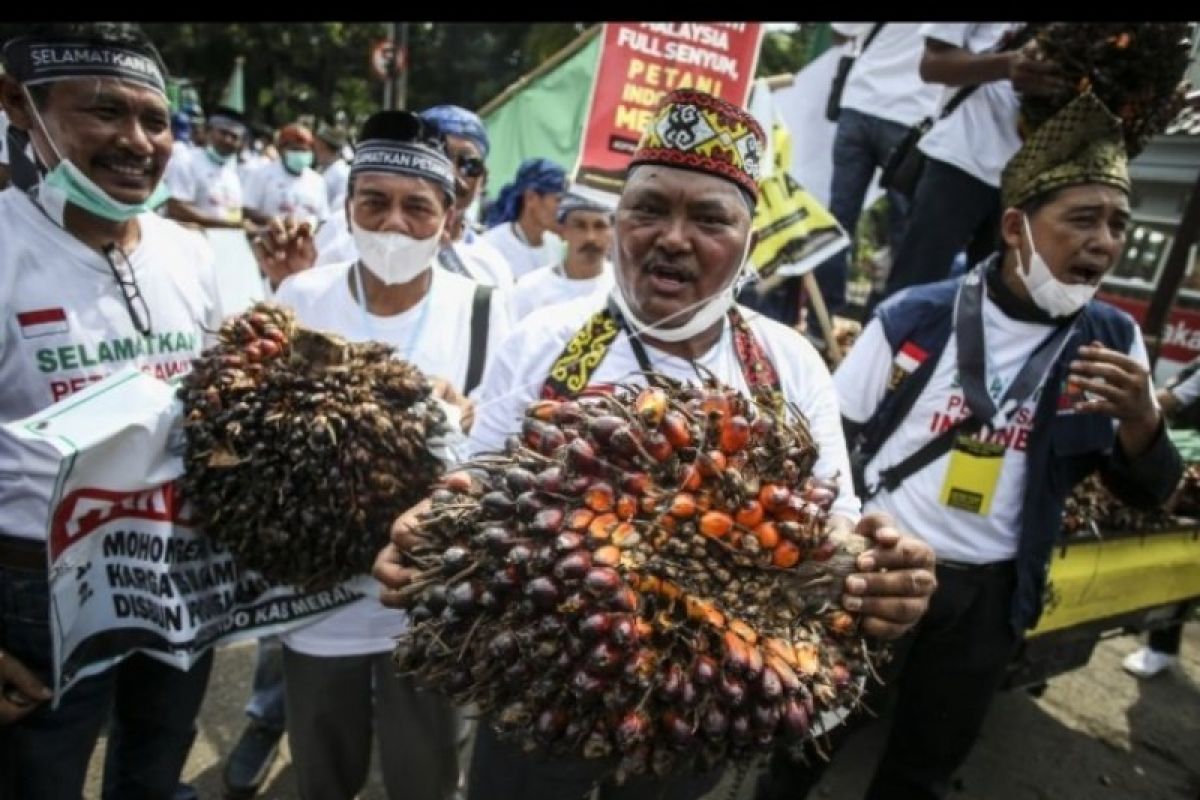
978,403
682,234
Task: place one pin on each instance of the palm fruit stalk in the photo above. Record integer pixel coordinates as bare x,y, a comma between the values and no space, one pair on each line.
1135,68
302,448
649,577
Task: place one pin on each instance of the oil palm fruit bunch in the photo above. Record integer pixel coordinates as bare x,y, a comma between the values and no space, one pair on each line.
1092,507
1135,68
648,576
302,448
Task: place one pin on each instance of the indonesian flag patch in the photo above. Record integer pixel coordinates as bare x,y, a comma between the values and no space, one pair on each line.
906,361
42,322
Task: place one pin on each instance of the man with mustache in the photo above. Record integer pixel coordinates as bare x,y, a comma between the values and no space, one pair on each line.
92,281
979,403
683,231
586,226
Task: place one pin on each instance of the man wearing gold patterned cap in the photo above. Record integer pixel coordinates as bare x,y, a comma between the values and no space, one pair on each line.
683,229
977,404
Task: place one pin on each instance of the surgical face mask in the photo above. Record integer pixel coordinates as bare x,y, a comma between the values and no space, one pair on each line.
394,257
706,314
216,157
297,160
66,183
1051,295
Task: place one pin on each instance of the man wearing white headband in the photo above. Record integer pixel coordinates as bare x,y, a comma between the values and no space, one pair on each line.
401,192
93,282
204,182
683,230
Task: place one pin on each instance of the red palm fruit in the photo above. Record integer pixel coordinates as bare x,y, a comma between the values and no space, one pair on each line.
601,527
550,725
626,506
459,482
689,477
605,658
651,406
703,611
840,623
735,433
601,428
824,551
635,483
268,349
625,441
573,565
808,659
767,535
776,648
744,631
716,524
794,719
568,542
568,412
625,599
253,352
581,457
795,509
641,667
497,505
668,524
606,556
739,728
625,535
704,670
600,497
680,733
550,480
754,660
714,723
528,504
670,683
602,581
683,505
624,631
715,403
595,626
658,447
675,428
543,591
732,689
542,409
785,555
840,675
547,522
578,519
774,497
764,718
587,686
820,493
519,480
712,463
737,656
787,676
633,729
770,686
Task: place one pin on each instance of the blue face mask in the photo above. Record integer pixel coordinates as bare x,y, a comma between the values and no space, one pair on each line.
66,183
297,160
216,157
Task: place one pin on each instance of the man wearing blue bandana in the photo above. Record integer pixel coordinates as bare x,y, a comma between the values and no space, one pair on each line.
521,223
84,260
204,183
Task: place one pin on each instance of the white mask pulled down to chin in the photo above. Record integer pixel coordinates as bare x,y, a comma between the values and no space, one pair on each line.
706,314
1048,293
394,257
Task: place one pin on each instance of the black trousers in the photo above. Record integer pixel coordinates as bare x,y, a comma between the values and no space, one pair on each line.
942,680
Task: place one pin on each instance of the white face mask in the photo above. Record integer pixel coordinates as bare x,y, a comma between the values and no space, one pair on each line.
1051,295
394,257
705,316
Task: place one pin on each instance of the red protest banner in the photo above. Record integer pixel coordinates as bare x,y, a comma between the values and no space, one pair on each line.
638,64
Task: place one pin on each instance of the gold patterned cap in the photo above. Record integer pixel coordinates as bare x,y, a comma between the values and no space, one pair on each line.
1082,143
697,131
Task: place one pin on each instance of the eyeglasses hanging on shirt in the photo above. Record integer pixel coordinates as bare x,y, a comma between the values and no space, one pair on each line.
139,310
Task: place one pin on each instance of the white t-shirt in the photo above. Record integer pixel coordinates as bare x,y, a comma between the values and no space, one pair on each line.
66,326
521,257
954,534
214,189
547,286
980,136
517,370
333,240
337,181
439,330
3,137
274,191
885,81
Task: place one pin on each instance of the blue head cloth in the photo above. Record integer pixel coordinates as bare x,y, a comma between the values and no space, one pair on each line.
457,121
181,126
539,174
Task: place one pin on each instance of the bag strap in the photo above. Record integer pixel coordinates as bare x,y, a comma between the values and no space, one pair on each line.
481,314
871,36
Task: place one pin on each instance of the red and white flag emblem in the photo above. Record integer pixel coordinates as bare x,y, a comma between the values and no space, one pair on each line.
909,357
42,322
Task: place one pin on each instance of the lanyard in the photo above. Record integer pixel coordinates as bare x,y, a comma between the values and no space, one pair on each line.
972,367
413,337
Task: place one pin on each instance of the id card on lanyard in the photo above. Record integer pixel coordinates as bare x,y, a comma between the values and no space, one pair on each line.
975,464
